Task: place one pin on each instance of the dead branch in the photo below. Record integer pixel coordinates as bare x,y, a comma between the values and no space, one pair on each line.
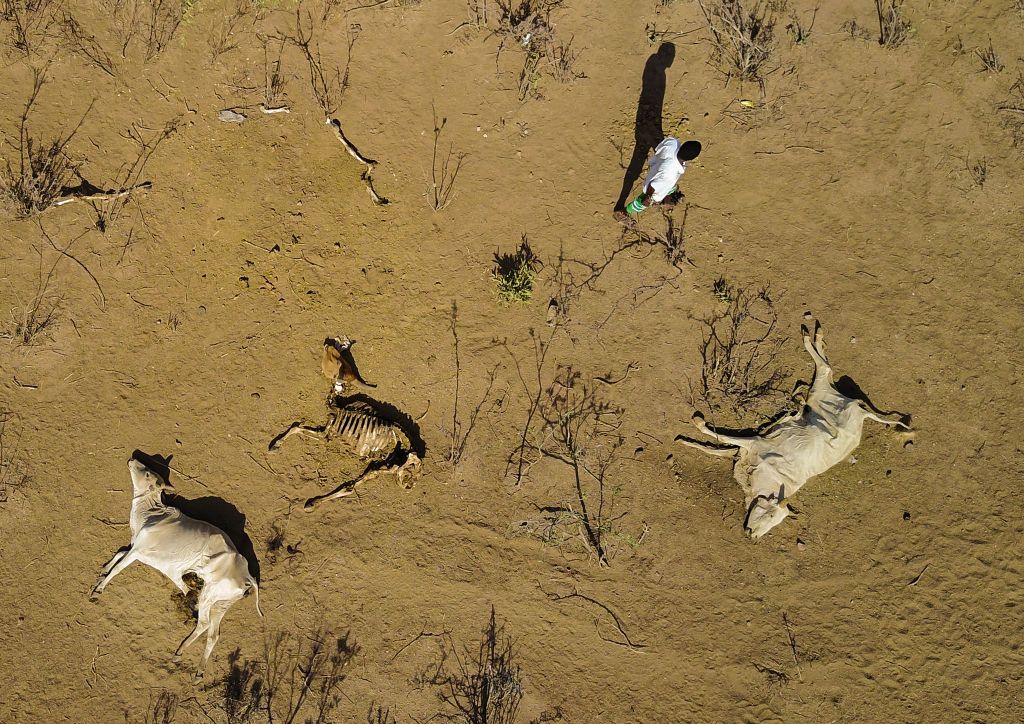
629,643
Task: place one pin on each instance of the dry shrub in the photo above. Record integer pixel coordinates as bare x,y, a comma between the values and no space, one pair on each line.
893,29
30,20
43,169
739,349
297,679
989,58
444,169
12,472
1013,111
224,36
481,685
571,422
743,38
82,43
527,23
162,708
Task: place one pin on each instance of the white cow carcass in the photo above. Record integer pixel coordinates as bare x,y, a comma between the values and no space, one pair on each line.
776,462
166,539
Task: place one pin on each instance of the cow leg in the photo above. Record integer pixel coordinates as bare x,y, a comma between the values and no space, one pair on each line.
212,634
202,623
698,422
722,452
126,560
894,418
822,369
301,428
121,553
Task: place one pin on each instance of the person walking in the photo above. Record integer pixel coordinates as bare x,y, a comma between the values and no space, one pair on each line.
664,169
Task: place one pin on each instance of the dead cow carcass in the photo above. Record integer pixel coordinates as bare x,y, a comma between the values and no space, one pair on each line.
166,539
776,462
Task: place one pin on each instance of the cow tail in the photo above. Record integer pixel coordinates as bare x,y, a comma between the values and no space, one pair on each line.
256,592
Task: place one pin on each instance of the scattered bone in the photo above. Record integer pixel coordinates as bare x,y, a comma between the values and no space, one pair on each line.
354,153
166,539
410,467
275,109
108,195
777,461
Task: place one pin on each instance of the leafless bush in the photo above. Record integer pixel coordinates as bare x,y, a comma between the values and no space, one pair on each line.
978,170
444,169
12,471
124,21
526,21
477,10
80,42
990,59
108,207
223,37
562,62
159,21
739,352
581,430
458,434
529,74
893,29
30,22
298,678
525,455
37,314
1013,108
273,84
481,685
380,715
162,708
328,84
278,547
742,38
673,242
798,31
527,24
43,169
855,30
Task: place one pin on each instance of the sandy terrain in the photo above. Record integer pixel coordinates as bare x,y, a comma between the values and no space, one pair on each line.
192,327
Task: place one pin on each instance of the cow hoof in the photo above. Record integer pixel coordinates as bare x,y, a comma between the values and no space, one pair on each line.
94,596
697,416
310,504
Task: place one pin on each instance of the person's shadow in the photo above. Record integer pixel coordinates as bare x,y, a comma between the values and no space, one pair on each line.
648,132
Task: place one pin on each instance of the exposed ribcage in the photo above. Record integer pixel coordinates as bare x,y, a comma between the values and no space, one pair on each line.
365,431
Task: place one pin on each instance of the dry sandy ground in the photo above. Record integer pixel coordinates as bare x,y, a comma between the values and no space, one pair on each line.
851,198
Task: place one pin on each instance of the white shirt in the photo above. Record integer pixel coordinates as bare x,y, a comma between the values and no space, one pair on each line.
664,169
